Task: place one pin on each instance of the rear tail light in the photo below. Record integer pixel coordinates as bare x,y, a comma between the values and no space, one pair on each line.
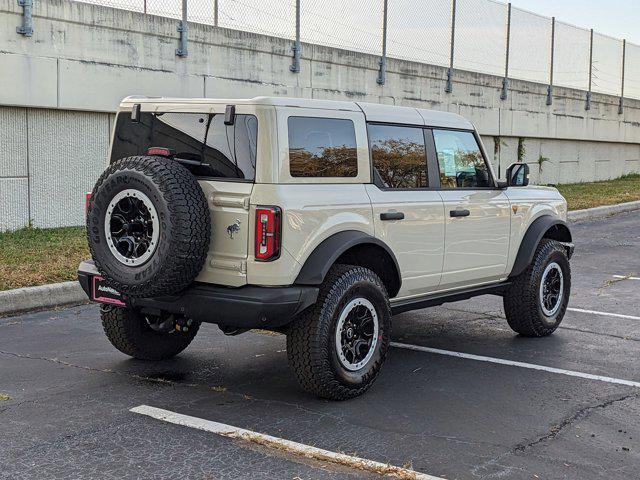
87,199
268,229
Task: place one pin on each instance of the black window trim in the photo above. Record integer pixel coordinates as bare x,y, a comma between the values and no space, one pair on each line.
355,139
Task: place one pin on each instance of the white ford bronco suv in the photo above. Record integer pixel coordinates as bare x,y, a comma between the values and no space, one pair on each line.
318,219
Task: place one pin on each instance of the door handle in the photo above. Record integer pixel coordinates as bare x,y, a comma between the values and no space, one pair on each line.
392,216
459,213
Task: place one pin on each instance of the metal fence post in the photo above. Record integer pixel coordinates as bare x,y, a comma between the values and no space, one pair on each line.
449,87
553,48
588,104
215,13
624,61
297,46
26,28
183,28
382,74
505,80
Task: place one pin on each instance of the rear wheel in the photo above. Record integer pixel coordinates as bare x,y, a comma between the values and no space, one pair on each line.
147,337
537,299
337,347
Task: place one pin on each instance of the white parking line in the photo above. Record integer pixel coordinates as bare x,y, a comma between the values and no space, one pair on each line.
606,314
511,363
625,277
281,444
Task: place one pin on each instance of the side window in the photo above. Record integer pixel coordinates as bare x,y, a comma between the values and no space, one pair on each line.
460,160
398,155
322,147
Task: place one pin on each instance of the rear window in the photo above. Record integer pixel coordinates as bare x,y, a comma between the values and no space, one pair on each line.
208,147
322,147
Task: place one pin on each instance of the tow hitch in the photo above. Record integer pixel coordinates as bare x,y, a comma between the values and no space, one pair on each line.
168,323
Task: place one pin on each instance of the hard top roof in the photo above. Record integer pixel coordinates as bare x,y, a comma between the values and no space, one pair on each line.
374,112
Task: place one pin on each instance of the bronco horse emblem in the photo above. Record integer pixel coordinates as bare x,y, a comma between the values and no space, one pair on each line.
233,228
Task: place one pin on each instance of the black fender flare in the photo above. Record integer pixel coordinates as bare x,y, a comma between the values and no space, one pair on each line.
317,265
536,231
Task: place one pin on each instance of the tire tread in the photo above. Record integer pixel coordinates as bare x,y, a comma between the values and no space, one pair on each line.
307,348
190,229
521,300
126,331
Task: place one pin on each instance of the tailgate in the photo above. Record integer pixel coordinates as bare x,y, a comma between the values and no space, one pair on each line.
229,209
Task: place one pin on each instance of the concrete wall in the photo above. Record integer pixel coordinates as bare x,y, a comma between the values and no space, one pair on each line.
48,158
58,88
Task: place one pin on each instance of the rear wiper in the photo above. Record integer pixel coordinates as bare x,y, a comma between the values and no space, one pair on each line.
195,163
189,158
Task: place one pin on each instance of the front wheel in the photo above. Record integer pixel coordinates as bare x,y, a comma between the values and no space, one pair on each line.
146,337
536,301
336,349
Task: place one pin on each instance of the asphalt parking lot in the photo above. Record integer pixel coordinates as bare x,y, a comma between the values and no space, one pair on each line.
569,407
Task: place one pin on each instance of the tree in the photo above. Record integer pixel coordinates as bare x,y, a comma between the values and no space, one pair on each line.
331,162
400,163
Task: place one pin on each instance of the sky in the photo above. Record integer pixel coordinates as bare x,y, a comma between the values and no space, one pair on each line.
617,18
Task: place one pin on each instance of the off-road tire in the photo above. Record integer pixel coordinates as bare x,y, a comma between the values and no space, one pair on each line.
184,226
522,304
129,332
311,346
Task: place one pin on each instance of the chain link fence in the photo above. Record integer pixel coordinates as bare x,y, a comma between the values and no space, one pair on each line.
571,56
475,35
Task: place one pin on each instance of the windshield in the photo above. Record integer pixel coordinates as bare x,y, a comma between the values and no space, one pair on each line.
201,141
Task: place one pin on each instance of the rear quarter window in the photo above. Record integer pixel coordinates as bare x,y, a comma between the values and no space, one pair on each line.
322,147
206,146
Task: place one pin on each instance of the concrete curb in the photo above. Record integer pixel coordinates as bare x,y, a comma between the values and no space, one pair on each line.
599,212
44,296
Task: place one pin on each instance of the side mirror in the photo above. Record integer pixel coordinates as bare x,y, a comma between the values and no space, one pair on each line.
518,175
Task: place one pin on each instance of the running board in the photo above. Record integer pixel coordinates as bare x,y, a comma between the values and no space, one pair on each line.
440,298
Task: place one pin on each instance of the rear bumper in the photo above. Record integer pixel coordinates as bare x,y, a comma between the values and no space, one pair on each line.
243,307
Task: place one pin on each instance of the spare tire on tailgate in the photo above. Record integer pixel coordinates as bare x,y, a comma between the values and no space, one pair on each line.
148,226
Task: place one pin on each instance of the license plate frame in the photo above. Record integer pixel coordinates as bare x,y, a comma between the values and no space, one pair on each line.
103,293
